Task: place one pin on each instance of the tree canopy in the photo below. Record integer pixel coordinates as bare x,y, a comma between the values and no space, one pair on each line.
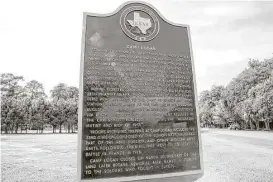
246,100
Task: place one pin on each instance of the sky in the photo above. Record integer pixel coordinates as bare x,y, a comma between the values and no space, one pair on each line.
41,40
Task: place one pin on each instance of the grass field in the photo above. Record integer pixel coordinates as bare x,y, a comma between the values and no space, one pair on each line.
229,156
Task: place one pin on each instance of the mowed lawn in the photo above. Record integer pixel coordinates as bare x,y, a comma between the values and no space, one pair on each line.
229,156
47,157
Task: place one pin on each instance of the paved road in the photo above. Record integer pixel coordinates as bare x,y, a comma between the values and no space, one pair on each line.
229,156
235,156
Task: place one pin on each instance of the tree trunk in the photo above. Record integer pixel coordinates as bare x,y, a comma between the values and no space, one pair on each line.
72,128
53,129
60,130
42,128
257,125
251,125
6,129
68,128
266,125
16,128
11,128
244,125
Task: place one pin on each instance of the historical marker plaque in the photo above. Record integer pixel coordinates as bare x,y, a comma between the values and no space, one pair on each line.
137,114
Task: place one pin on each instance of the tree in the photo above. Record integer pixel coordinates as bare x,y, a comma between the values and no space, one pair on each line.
10,107
247,113
9,84
73,93
262,96
36,100
52,114
62,101
205,108
40,117
222,114
210,106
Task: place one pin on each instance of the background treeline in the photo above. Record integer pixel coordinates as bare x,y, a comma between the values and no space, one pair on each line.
25,106
247,101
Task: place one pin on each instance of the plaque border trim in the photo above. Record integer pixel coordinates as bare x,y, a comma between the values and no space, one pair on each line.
80,107
198,172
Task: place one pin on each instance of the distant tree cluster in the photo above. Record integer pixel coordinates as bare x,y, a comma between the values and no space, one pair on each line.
27,107
247,100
